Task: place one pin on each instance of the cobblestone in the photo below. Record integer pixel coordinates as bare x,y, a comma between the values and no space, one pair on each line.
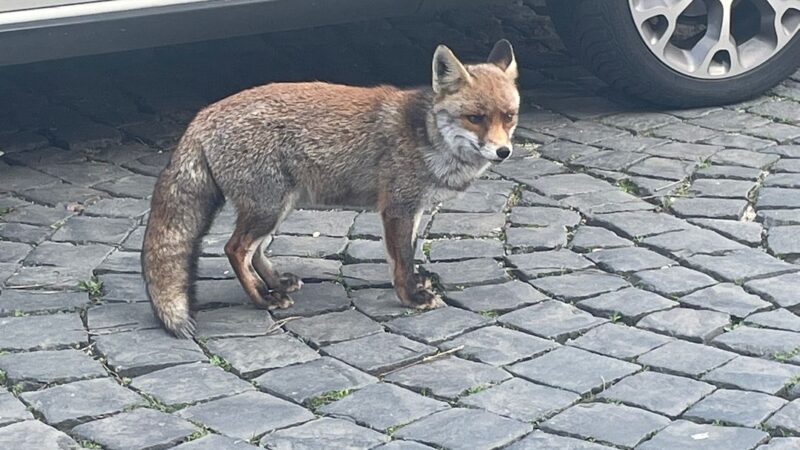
612,238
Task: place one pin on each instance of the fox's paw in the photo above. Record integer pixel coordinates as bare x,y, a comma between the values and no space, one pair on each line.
279,300
425,299
423,282
290,282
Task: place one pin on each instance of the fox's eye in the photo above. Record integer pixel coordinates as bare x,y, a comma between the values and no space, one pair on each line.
508,117
475,118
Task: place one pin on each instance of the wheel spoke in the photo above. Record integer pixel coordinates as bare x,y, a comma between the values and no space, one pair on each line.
787,19
665,10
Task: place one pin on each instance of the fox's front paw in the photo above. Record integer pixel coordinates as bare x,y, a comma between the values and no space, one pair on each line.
426,299
279,300
290,282
423,282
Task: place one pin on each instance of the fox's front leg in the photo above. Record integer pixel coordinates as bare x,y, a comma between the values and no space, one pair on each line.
398,235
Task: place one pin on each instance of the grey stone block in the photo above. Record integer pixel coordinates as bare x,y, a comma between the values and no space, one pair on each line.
776,344
754,374
137,352
574,370
748,233
742,408
498,346
251,356
324,433
116,317
534,239
692,324
738,266
551,319
438,325
327,223
657,392
683,434
35,301
82,229
787,419
712,208
556,262
189,383
11,411
471,272
307,246
333,327
447,378
728,298
781,290
630,259
466,429
48,332
381,406
688,242
685,358
588,238
579,285
543,216
614,424
140,428
467,224
247,414
70,404
235,321
366,275
630,304
315,298
783,241
539,440
380,352
458,249
216,442
33,370
522,400
34,434
619,341
671,281
496,297
380,304
301,382
777,318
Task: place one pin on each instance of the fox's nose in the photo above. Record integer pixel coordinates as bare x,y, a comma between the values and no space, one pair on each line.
503,152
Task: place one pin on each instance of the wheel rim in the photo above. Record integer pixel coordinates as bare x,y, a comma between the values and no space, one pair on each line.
715,39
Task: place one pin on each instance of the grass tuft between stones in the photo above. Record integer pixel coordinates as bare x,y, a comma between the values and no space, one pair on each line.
93,287
325,398
92,445
786,356
216,360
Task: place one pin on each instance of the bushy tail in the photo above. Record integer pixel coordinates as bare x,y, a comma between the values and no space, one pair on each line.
184,203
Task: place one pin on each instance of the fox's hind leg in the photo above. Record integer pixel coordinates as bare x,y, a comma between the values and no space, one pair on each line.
251,230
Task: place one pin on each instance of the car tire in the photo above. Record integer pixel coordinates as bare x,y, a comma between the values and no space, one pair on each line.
603,36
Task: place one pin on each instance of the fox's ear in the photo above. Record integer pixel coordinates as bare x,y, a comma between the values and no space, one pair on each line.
502,56
448,72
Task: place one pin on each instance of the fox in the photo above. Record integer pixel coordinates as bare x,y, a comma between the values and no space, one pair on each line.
275,147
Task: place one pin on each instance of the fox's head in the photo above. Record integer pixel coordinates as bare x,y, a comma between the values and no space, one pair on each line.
476,105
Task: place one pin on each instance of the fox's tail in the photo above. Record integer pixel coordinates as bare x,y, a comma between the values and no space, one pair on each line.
184,202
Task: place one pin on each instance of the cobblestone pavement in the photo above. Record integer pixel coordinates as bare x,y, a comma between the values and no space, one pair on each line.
629,280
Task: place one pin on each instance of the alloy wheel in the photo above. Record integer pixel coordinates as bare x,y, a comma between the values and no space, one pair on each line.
715,39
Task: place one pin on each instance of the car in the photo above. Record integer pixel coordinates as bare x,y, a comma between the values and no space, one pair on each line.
680,53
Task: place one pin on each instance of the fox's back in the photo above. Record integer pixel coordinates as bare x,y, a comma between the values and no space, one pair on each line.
327,138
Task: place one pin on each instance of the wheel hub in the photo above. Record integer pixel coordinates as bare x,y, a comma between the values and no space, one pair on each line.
715,39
